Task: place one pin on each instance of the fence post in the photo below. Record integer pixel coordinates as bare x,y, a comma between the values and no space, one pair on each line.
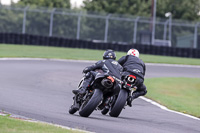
195,35
106,28
135,30
78,25
154,23
51,22
170,28
165,30
24,20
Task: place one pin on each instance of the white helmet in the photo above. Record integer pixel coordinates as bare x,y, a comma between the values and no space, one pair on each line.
133,52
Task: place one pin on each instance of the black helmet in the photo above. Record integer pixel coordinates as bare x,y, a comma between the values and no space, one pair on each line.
109,54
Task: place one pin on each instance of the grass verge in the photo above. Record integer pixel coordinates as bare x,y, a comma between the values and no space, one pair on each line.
11,125
81,54
180,94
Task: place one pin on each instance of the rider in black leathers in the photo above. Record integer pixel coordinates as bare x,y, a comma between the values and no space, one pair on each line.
132,64
107,65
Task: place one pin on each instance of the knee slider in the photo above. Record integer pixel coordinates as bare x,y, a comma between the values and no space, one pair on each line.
145,92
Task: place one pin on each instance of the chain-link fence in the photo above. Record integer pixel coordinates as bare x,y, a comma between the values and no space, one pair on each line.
99,27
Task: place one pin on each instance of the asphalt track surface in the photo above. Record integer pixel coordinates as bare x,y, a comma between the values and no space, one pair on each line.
41,90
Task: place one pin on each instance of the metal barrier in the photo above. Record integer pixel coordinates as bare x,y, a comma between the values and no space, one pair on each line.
98,27
26,39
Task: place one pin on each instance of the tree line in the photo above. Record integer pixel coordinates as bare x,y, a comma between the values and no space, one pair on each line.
180,9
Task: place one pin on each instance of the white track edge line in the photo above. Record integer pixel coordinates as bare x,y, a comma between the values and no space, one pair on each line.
166,109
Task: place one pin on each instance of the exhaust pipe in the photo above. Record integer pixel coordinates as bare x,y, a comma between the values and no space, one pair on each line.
107,83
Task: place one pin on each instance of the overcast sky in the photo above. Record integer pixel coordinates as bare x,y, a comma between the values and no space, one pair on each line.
74,2
7,2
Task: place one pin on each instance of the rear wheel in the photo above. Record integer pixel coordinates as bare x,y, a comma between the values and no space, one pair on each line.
91,103
119,104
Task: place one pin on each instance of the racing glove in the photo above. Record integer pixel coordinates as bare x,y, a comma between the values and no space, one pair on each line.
86,70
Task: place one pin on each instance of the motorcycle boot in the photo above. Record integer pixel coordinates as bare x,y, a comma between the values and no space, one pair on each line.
82,89
131,98
129,101
136,94
85,84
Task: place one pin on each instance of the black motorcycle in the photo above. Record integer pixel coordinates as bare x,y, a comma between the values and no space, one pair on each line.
97,94
118,102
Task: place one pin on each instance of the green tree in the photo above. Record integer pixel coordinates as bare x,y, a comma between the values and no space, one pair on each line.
180,9
38,22
10,21
133,7
46,3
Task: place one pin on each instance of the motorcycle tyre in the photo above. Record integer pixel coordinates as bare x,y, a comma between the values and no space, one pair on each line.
91,104
104,111
119,104
72,110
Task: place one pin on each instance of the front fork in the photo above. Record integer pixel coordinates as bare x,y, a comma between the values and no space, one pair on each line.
79,99
130,89
77,102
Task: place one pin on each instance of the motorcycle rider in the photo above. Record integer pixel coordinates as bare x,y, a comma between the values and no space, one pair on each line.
107,65
133,65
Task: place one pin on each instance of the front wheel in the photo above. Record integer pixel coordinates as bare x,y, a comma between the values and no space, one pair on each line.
119,104
104,111
72,110
90,104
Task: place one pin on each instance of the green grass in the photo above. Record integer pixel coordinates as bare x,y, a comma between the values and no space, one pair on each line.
180,94
81,54
11,125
